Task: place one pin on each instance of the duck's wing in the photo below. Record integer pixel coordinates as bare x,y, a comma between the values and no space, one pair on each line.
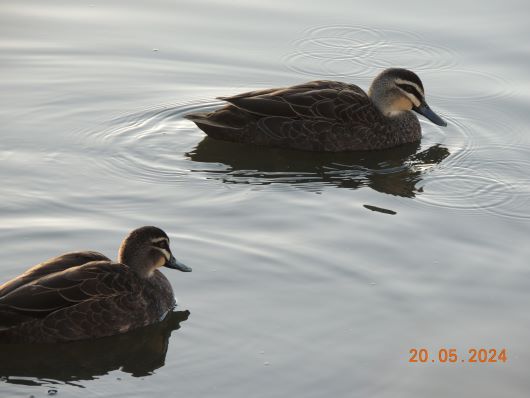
319,99
91,282
51,266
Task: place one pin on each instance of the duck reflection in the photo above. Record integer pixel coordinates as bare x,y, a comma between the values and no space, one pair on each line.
138,352
394,171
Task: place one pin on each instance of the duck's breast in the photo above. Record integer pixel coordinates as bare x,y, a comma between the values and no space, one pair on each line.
159,297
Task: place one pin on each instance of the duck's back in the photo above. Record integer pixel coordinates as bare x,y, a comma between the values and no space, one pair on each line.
95,299
315,116
51,266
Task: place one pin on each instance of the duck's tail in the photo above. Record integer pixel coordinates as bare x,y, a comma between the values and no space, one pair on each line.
227,123
206,119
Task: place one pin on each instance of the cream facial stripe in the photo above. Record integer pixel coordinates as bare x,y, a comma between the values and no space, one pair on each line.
160,240
420,90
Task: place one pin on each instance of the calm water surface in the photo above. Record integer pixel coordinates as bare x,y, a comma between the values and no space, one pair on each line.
314,274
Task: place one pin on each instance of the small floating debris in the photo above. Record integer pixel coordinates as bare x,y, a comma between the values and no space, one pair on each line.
52,391
266,363
155,49
380,209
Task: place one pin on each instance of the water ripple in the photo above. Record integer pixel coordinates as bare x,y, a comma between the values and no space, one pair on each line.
480,86
463,189
148,145
492,179
342,50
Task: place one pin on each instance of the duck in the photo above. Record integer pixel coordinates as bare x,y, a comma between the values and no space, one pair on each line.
85,295
324,115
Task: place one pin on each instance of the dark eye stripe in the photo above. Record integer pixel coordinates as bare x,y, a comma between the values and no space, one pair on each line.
162,244
410,89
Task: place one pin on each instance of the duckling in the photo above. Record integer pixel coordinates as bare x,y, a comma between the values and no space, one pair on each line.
325,115
82,295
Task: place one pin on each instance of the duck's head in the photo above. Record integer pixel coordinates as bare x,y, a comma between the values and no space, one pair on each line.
397,90
147,248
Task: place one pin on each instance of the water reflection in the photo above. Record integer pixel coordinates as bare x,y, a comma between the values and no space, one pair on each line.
138,352
394,171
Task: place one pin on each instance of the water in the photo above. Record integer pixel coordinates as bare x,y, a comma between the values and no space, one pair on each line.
313,274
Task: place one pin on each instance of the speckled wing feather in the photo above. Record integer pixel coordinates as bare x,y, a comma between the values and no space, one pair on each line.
96,299
319,99
51,266
89,282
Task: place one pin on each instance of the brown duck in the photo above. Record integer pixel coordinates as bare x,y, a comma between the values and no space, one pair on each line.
325,115
84,295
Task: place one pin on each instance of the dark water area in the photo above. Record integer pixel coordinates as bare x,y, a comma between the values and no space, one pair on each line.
138,353
314,274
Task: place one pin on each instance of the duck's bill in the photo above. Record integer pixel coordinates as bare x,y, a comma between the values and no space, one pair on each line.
426,111
173,263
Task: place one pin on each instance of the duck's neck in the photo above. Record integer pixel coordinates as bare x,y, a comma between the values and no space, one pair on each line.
142,265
